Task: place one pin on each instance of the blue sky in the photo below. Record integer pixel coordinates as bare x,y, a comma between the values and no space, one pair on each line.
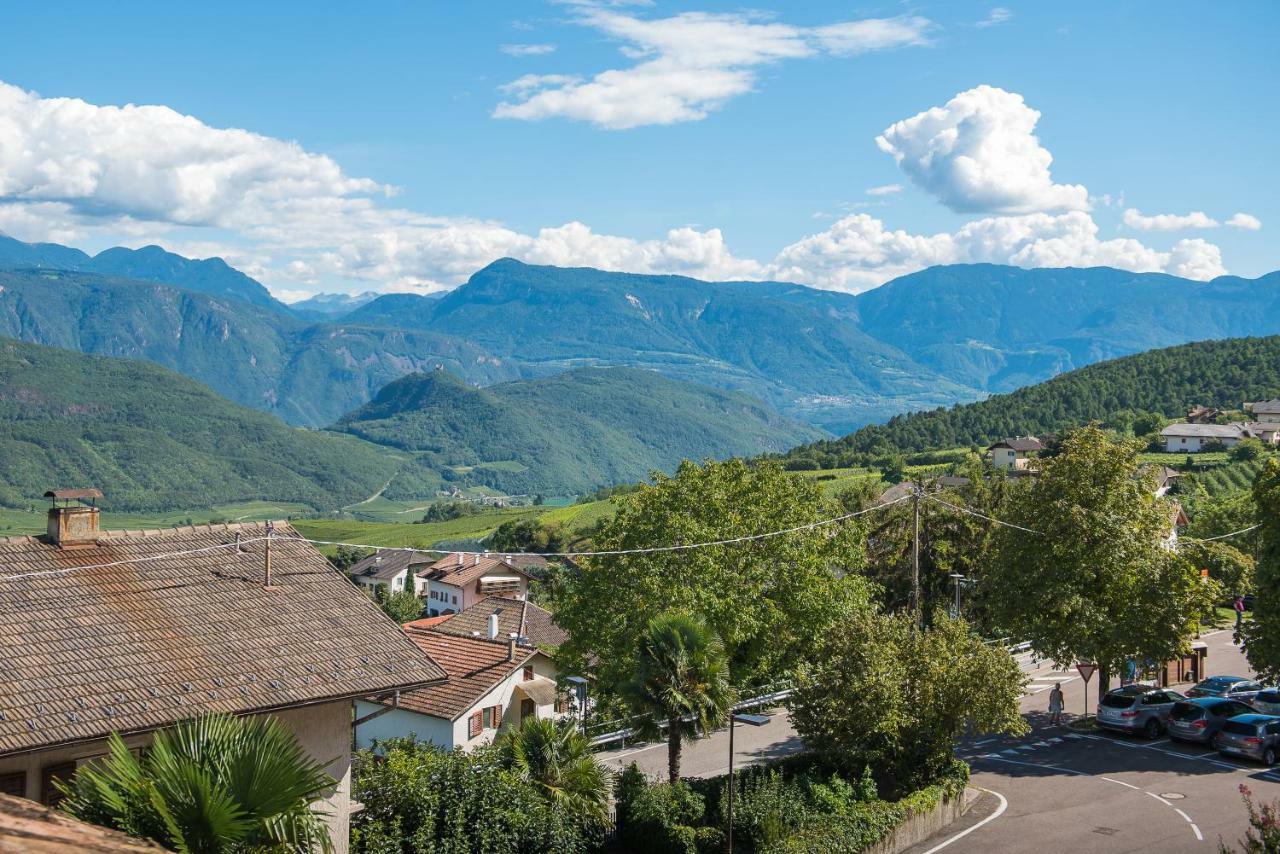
698,138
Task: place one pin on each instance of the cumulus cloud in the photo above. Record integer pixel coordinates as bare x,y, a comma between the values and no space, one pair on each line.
520,50
1134,218
78,173
997,15
884,190
690,64
1245,221
979,153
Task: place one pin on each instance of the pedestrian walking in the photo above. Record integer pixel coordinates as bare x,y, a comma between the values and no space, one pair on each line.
1055,705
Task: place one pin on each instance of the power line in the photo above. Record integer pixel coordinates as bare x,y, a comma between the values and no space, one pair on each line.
1224,536
147,559
982,515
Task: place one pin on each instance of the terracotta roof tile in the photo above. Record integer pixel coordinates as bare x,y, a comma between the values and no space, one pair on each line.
518,616
449,570
140,645
475,666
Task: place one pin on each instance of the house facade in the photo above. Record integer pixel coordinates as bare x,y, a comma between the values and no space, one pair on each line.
1266,411
395,569
457,581
1192,438
129,632
1015,452
493,684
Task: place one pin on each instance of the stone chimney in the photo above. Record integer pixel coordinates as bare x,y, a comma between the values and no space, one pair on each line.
70,524
511,647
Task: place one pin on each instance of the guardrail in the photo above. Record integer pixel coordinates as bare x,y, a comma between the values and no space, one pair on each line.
625,733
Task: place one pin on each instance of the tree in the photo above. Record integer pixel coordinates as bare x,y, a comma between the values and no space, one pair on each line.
403,606
680,672
1262,634
213,783
882,694
558,761
528,535
417,797
1249,449
1097,580
1231,568
762,598
347,557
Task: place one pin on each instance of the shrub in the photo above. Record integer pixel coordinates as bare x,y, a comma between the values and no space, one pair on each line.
766,808
662,818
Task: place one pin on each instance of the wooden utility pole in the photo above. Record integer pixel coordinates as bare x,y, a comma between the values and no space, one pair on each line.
915,554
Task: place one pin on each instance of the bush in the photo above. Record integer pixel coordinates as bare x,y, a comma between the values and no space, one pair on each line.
766,808
663,818
1249,449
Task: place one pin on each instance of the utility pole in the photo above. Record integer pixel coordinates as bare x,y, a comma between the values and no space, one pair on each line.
915,554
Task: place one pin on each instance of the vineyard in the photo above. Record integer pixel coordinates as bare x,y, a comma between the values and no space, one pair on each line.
1228,478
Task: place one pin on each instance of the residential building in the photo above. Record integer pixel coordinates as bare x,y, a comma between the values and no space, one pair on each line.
1165,478
1267,432
131,631
1178,523
1265,410
457,581
1015,452
395,569
1202,414
534,626
1192,438
493,683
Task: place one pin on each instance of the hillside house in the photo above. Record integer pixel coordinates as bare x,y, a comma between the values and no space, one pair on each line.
1267,432
1202,414
1015,452
1266,411
1192,438
493,683
532,625
395,569
456,581
130,631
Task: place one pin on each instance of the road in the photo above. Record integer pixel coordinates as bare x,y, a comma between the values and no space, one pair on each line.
1053,790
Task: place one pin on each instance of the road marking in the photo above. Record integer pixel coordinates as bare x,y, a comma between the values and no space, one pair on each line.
1184,815
1004,805
1121,782
1199,836
1160,799
1203,757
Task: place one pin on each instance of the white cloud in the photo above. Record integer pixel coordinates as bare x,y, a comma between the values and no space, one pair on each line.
997,15
1248,222
521,50
1134,218
884,190
979,153
94,176
690,64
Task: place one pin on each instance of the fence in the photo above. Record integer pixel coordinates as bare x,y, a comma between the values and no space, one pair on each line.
620,731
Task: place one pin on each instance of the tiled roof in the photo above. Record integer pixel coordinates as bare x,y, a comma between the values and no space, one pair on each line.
1020,443
30,828
518,616
386,564
460,570
1269,407
139,645
1204,431
474,665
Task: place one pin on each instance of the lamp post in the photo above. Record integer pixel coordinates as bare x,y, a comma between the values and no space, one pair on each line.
580,689
749,720
959,579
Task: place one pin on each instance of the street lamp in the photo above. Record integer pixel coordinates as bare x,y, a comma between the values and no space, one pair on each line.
580,689
749,720
959,579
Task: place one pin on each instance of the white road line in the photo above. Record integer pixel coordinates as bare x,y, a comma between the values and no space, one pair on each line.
1199,835
1160,799
1202,757
1184,815
1121,782
1004,805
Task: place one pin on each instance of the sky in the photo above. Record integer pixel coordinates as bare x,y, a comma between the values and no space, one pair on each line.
400,146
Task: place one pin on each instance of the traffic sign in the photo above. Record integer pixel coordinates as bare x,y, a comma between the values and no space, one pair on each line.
1086,670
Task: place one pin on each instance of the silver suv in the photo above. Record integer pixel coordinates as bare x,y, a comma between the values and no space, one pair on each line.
1137,709
1254,736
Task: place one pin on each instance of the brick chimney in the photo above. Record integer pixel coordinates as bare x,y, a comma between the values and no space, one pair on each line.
71,524
511,647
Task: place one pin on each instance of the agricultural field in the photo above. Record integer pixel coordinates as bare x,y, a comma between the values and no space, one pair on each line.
14,522
1229,477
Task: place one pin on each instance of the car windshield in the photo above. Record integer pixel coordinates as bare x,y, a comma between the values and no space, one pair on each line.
1218,683
1186,712
1240,728
1116,700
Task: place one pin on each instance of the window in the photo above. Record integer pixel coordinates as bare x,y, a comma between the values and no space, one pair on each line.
14,783
497,716
488,717
49,794
455,599
528,709
528,672
475,726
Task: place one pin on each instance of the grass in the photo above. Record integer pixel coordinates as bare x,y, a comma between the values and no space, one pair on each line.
1206,458
17,522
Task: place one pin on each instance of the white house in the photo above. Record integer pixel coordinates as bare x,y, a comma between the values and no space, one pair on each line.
130,631
1192,438
1265,410
1015,452
457,581
493,683
395,569
1265,431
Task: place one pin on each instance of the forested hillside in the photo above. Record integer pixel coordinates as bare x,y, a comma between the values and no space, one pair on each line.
569,433
1217,373
151,439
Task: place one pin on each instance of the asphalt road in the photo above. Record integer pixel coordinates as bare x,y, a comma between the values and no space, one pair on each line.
1053,790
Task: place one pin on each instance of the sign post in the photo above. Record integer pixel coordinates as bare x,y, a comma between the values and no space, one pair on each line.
1086,673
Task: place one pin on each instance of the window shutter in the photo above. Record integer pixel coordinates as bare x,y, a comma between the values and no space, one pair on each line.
497,716
477,725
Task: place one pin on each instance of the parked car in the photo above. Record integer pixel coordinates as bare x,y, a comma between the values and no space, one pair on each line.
1231,687
1198,719
1137,708
1254,736
1267,701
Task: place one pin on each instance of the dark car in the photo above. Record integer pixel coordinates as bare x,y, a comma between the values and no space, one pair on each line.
1137,708
1199,719
1267,701
1254,736
1230,687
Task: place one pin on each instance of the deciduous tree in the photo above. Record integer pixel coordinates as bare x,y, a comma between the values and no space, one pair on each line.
1262,634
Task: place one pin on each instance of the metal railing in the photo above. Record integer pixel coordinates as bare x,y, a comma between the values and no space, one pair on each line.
626,731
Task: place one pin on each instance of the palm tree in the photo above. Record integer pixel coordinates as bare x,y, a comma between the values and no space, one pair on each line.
681,679
557,759
209,784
